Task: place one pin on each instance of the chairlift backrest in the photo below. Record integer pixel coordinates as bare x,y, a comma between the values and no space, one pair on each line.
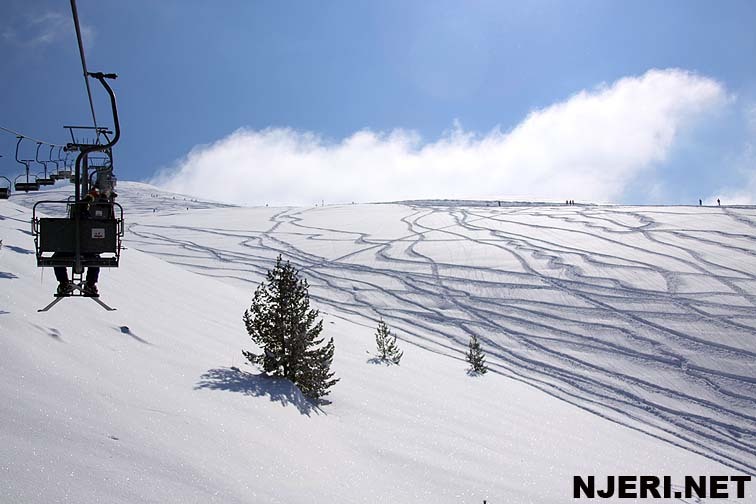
101,210
26,186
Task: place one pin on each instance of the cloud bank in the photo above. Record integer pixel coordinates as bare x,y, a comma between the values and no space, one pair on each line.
589,147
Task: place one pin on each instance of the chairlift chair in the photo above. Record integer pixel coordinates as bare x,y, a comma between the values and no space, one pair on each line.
102,177
56,174
65,173
91,234
28,185
44,180
5,191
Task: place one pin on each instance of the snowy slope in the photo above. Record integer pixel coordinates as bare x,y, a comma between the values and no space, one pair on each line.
644,316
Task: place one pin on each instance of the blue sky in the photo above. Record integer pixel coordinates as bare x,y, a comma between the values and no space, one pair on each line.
315,74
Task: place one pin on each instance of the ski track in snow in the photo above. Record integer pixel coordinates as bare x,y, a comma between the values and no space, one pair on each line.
642,315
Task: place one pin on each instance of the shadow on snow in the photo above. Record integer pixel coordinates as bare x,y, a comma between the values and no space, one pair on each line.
257,385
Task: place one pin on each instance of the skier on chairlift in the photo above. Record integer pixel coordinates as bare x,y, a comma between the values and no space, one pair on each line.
65,286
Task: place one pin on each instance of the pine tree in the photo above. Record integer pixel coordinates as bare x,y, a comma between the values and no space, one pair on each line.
386,343
282,323
476,358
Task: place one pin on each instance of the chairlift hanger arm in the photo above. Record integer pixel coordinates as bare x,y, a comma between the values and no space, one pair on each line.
20,138
25,162
116,123
57,168
39,161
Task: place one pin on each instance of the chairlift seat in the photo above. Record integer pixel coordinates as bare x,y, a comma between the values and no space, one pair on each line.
27,186
46,181
68,261
4,192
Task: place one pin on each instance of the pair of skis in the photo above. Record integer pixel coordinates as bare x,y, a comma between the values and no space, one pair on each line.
79,287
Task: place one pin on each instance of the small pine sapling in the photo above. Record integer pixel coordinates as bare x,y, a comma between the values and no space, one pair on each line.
386,343
476,358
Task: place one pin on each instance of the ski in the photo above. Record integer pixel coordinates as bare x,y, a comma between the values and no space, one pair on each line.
97,300
54,302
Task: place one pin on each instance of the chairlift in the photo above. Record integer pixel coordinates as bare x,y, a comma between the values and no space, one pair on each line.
90,236
66,172
28,185
5,192
102,176
56,175
44,180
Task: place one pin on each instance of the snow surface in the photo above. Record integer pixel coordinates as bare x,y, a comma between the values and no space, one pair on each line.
620,341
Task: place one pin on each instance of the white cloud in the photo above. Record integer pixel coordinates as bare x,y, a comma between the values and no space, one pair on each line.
44,29
589,147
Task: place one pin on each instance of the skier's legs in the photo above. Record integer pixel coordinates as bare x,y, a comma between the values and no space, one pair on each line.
92,275
61,274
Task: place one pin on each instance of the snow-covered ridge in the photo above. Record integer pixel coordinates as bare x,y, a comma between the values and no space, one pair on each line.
642,315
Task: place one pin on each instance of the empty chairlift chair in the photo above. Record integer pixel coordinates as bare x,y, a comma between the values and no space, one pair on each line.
44,180
5,191
65,173
57,175
27,184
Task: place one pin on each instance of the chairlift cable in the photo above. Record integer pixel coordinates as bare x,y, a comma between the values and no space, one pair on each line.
83,59
17,134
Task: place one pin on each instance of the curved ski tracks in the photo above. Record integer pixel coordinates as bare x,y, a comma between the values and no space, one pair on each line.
566,316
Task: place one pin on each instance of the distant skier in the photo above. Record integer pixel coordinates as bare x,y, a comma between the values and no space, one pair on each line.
700,202
719,203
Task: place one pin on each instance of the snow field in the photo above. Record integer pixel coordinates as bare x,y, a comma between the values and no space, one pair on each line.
145,403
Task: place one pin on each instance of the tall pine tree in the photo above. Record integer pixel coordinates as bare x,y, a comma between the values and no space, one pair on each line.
282,323
386,343
476,358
